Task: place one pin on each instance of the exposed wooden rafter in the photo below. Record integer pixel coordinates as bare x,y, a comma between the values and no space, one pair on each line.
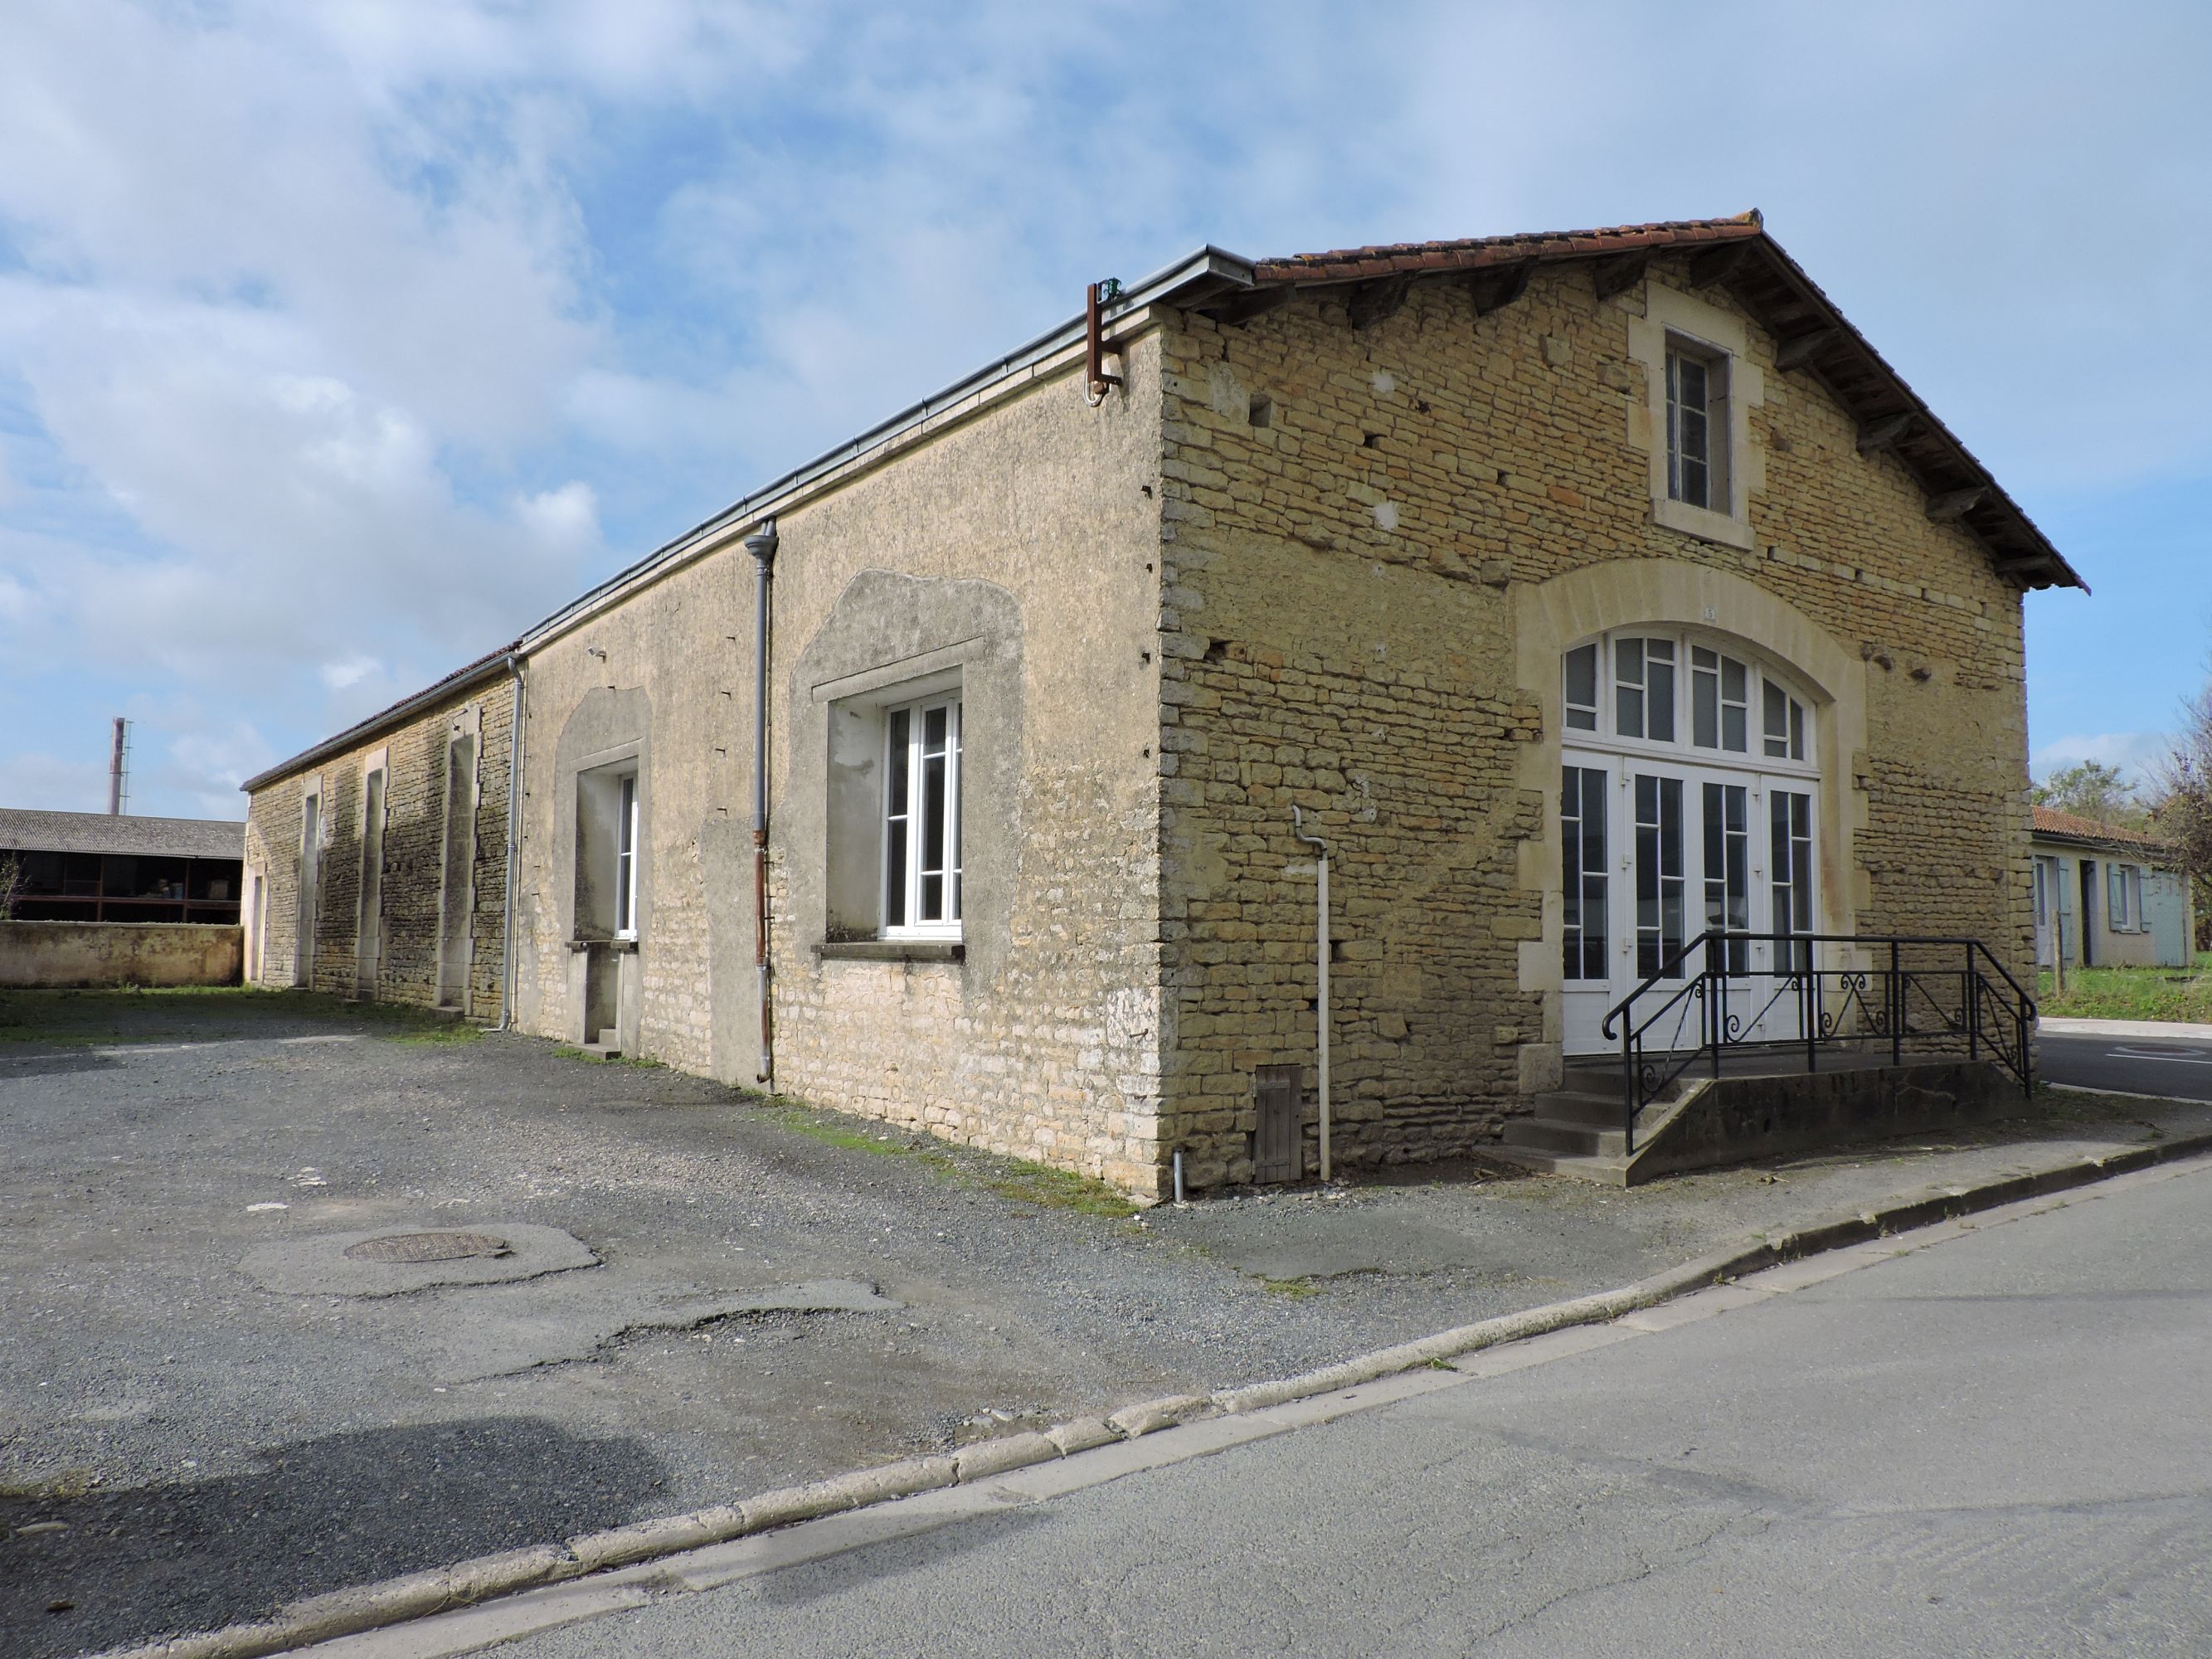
1955,503
1371,303
1800,350
1619,273
1886,433
1239,309
1718,264
1496,287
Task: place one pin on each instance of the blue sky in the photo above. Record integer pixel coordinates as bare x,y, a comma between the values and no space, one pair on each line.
341,340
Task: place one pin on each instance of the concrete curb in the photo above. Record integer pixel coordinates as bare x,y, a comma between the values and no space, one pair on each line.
2122,1028
369,1607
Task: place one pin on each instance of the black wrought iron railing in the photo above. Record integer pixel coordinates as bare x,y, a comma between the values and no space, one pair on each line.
1725,992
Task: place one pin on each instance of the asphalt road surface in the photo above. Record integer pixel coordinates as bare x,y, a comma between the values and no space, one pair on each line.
2001,1444
2180,1067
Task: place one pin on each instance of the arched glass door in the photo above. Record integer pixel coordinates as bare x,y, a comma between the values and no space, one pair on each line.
1688,795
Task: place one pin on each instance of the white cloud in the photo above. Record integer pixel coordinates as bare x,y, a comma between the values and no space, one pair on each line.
2136,753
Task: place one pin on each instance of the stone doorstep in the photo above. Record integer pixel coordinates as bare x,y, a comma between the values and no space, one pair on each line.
1707,1286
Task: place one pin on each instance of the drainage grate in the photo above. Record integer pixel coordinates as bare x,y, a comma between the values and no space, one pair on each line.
427,1247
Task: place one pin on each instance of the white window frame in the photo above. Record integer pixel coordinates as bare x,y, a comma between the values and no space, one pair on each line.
1672,320
1800,730
626,837
903,886
1710,412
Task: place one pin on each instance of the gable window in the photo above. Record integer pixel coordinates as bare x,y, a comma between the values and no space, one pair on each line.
1697,426
625,860
921,819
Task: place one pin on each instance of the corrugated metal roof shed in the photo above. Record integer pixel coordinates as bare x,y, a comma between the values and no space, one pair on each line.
24,830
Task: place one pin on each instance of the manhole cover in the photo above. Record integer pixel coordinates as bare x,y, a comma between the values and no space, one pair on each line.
427,1247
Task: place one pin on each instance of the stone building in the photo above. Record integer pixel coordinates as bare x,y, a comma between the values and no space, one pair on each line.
1580,592
377,862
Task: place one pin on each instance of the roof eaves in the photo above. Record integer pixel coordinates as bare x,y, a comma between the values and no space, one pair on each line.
487,666
1207,269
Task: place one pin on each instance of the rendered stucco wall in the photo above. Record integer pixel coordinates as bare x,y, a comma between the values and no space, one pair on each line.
1014,544
1376,541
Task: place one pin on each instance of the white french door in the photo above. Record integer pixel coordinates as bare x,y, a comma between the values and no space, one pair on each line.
1654,853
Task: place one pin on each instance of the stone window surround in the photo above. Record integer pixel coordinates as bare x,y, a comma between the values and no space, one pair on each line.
598,781
858,707
1624,594
1671,316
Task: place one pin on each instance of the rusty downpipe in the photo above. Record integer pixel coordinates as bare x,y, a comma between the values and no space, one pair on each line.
762,545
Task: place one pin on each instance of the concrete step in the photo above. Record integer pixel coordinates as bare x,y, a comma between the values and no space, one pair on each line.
1606,1172
1546,1134
1579,1106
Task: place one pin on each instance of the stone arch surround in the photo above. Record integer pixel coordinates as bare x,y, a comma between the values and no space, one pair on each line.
1551,616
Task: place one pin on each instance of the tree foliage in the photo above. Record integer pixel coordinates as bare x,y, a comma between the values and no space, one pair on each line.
2182,812
2091,789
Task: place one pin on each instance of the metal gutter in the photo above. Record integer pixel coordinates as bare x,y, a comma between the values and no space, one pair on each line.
463,679
1209,266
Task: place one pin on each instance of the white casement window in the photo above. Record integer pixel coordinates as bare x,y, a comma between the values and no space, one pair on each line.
921,820
625,860
1697,426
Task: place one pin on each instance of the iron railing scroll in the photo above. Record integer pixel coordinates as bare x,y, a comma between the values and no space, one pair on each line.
1816,993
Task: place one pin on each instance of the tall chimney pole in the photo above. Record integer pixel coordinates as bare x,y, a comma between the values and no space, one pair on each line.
115,771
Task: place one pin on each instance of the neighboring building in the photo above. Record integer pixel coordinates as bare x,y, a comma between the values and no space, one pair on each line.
1581,591
99,867
2108,897
379,858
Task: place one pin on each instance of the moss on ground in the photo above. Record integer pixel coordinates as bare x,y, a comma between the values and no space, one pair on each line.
66,1019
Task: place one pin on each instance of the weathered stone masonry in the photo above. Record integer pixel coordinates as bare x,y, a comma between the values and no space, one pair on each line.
1349,510
415,757
1321,548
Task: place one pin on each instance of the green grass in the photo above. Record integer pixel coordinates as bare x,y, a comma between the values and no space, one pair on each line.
566,1052
2154,993
1014,1178
1059,1189
1296,1288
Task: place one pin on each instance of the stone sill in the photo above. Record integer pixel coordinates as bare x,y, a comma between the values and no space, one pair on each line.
1705,524
891,950
622,947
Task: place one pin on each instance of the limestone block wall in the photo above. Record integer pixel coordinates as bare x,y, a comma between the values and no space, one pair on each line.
1358,525
413,893
1014,543
115,953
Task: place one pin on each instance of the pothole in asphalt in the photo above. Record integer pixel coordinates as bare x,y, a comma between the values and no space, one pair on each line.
427,1247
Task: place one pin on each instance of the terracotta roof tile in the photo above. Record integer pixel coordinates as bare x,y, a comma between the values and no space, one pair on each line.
1473,252
2048,820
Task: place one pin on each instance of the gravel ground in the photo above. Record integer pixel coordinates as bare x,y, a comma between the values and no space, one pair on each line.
179,1447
